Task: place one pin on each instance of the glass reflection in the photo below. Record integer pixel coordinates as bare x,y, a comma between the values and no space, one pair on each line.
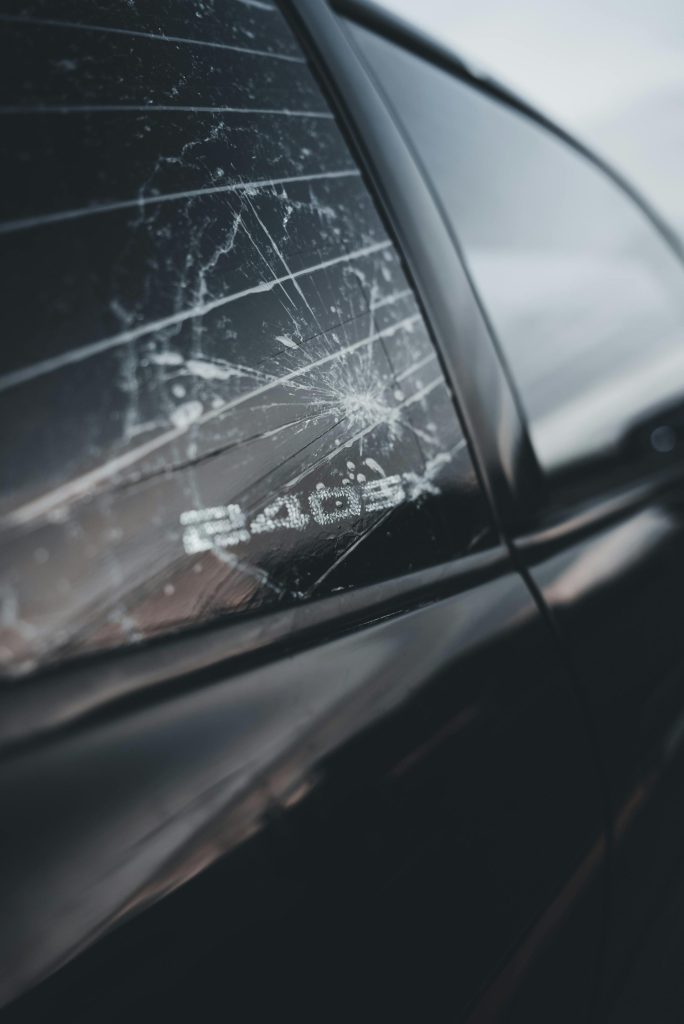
585,296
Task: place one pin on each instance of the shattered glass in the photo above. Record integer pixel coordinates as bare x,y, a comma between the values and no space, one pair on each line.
217,388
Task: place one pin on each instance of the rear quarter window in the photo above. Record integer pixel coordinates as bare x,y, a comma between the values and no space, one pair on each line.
218,392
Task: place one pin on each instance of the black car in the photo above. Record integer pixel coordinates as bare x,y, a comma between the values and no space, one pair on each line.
341,533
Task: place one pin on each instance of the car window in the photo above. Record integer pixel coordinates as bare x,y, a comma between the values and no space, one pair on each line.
585,296
218,392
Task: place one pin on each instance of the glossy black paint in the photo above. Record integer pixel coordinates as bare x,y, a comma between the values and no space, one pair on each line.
391,821
392,798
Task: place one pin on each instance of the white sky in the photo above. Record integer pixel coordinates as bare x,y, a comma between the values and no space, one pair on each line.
612,71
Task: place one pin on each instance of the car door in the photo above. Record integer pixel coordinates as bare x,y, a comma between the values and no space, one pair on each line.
283,725
583,287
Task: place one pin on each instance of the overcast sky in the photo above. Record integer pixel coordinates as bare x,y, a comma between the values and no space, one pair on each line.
610,70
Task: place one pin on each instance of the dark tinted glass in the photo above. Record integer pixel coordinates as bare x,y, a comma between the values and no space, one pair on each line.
217,390
586,297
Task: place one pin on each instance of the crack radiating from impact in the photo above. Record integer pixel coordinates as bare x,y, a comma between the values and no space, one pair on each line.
24,19
77,355
23,223
82,486
164,108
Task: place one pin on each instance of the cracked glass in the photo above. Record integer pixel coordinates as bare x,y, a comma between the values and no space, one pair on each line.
218,392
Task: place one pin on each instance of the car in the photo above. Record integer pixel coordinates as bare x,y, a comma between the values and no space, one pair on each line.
341,531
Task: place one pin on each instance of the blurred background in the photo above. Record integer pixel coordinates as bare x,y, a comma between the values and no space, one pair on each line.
611,72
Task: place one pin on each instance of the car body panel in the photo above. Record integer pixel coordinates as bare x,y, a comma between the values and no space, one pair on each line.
426,775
